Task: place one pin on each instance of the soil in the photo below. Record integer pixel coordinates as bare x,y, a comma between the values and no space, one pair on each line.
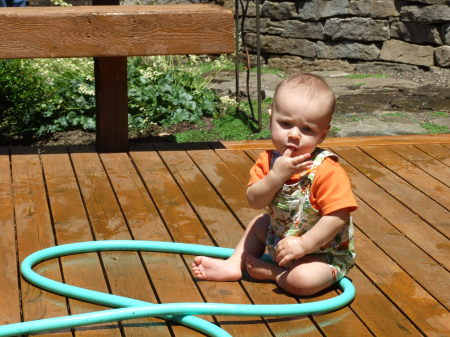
415,102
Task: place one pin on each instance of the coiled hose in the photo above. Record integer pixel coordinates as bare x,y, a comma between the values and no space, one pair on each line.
128,308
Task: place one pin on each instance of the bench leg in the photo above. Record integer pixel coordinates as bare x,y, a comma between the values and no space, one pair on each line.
112,103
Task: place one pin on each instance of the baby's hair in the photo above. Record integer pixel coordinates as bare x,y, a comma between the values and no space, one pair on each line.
312,84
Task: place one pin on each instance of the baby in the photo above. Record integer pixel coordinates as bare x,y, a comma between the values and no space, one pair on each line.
307,228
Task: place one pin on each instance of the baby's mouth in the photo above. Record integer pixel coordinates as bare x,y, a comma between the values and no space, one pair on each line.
294,150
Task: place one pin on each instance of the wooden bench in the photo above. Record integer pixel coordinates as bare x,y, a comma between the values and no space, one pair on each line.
110,34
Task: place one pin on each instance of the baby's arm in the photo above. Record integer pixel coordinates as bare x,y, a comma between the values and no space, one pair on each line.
261,193
294,247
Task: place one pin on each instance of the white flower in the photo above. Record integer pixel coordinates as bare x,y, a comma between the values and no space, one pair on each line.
228,101
86,90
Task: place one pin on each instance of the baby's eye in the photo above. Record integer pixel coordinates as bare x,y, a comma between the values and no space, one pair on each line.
285,124
307,130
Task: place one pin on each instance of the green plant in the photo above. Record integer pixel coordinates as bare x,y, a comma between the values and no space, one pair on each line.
435,128
231,126
268,70
362,76
46,95
43,96
72,103
162,92
394,114
60,3
440,114
21,97
334,131
213,66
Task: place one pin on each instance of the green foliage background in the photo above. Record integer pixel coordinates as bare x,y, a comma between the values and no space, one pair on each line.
42,96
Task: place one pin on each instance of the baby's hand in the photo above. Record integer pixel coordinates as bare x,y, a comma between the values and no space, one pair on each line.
286,165
288,249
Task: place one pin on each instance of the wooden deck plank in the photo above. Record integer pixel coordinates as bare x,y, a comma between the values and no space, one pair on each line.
145,224
253,154
427,272
415,177
349,141
400,189
34,232
377,312
72,225
224,180
437,151
428,315
186,227
10,301
238,161
226,231
342,322
108,224
407,222
427,163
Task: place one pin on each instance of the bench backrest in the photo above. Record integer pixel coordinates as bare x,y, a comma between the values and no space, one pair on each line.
115,31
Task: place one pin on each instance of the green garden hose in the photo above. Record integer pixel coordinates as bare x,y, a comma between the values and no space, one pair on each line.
127,308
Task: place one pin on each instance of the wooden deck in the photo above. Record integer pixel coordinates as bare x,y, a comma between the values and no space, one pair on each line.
196,194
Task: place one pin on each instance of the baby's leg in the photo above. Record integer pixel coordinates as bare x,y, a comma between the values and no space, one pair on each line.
307,276
251,243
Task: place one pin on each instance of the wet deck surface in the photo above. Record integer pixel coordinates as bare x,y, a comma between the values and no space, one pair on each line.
196,194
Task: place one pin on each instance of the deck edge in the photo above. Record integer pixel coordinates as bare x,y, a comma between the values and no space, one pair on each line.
349,141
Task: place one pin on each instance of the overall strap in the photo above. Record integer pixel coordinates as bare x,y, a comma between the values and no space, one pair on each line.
319,155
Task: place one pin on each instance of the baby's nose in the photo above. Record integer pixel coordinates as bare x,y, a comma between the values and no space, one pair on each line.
294,134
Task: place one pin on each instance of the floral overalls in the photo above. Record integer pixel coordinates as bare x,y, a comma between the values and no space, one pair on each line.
291,214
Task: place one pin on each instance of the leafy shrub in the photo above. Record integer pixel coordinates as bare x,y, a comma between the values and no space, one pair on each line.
165,93
46,95
42,96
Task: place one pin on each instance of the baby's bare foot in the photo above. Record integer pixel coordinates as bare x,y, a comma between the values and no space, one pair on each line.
207,268
262,270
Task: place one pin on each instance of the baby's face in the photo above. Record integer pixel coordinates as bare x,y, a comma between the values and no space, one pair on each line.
299,122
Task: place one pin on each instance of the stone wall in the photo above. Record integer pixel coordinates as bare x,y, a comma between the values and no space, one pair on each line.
337,34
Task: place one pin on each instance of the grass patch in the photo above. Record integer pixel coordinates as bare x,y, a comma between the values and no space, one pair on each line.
231,125
227,127
267,70
361,76
394,114
334,131
440,114
348,117
435,128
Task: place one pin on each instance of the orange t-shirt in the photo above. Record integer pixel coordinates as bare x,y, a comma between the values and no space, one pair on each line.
330,190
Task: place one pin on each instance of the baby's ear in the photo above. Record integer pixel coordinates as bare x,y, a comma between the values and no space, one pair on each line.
270,112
